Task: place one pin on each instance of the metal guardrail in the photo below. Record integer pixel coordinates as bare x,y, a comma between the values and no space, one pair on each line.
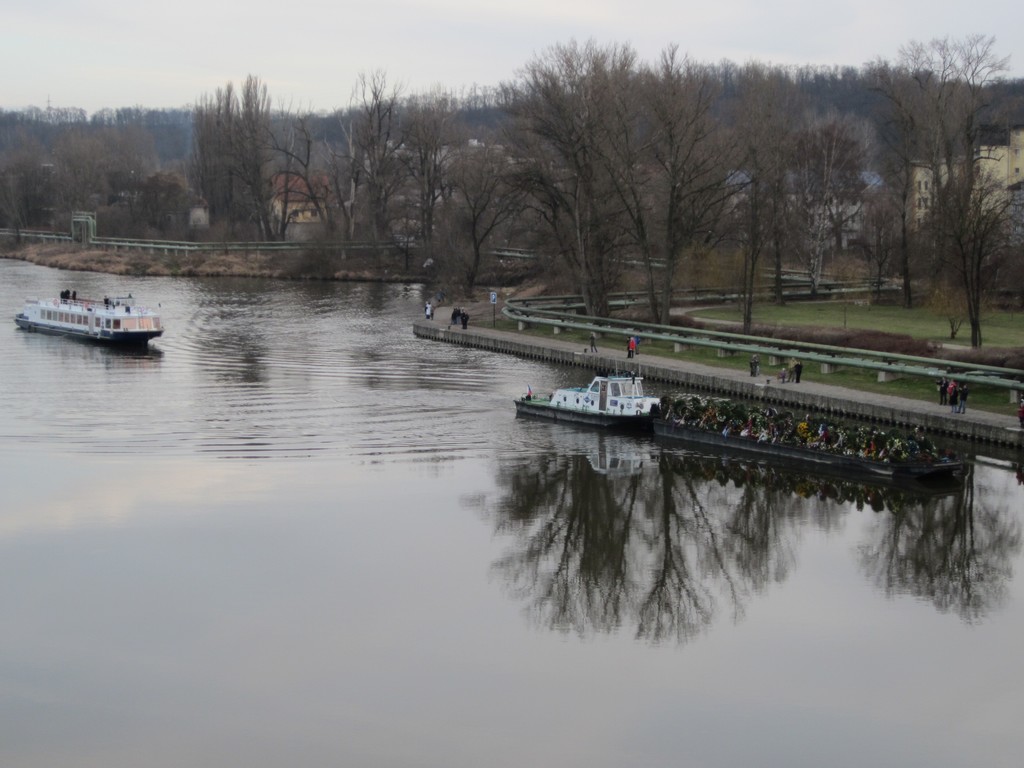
543,312
36,235
229,246
190,246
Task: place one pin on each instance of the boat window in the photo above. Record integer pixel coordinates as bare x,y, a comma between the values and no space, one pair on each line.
595,387
117,323
616,390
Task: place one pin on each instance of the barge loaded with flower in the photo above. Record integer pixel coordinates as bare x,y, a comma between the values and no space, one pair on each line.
612,401
735,429
118,321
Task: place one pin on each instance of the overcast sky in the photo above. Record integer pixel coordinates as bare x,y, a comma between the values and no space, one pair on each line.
115,53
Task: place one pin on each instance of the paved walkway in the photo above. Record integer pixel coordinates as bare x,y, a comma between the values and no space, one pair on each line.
813,391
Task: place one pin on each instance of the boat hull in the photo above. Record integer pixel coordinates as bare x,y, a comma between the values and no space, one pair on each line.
543,409
823,462
103,336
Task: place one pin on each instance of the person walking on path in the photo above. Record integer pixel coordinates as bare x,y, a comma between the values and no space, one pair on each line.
429,311
954,397
755,364
1020,414
798,368
593,342
943,390
631,346
964,391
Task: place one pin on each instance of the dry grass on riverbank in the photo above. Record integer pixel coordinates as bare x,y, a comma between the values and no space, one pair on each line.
310,265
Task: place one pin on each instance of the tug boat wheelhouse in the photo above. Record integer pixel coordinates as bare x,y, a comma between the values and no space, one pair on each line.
612,401
119,321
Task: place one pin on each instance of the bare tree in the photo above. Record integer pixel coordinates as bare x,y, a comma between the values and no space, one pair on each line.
25,185
968,219
300,182
376,144
82,162
428,135
345,173
899,131
765,136
250,150
879,239
559,109
693,155
828,164
483,201
161,195
231,161
211,172
132,161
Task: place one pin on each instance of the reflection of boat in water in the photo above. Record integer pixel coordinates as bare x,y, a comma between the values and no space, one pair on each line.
612,401
616,464
117,321
734,429
786,481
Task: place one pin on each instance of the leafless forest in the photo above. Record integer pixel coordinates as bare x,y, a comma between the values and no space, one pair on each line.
610,172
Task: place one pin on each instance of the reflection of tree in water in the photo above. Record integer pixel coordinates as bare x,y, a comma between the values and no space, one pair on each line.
573,525
659,548
711,534
957,554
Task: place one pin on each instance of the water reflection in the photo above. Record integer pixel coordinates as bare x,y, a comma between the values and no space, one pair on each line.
665,542
63,352
957,555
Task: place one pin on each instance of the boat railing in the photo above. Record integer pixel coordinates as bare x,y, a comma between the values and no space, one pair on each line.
123,303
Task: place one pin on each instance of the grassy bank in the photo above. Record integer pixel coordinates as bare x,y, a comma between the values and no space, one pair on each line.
999,329
991,399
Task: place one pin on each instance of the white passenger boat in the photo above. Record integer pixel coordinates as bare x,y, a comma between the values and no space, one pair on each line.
118,321
615,401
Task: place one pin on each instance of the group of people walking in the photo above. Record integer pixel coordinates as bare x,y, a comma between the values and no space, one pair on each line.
791,372
954,394
459,315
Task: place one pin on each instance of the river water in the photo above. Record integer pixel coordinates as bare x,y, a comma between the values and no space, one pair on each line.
292,534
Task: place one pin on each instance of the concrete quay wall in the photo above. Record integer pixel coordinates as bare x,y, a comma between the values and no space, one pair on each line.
817,397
